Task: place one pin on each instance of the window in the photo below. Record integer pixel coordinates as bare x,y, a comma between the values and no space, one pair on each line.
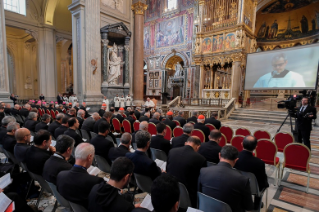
17,6
171,4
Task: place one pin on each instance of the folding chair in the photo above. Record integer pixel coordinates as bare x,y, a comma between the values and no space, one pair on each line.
200,134
184,200
85,135
223,141
93,135
127,126
228,132
152,128
143,182
237,141
178,131
63,202
158,154
136,125
242,131
211,127
177,122
78,208
259,134
207,203
168,135
102,164
282,139
117,125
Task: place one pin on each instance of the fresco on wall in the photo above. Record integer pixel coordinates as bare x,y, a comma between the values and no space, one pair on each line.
154,9
280,6
218,41
146,37
230,41
207,45
187,3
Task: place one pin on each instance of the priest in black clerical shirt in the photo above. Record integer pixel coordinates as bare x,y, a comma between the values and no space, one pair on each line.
73,126
43,125
124,147
23,137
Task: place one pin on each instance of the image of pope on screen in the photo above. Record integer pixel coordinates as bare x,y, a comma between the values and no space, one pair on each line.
279,76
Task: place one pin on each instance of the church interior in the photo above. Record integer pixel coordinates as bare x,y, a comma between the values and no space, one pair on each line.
187,56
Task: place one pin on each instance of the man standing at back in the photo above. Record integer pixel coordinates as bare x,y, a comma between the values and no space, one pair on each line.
213,120
226,184
210,150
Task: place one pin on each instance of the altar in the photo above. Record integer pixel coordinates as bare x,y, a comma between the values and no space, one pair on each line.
216,93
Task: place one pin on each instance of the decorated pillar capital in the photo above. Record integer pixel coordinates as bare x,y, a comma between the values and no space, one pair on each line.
104,42
139,8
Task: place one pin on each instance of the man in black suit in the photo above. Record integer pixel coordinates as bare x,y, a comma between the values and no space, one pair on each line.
137,113
312,97
185,163
88,123
145,117
80,117
57,123
180,140
201,126
106,118
143,127
128,110
168,121
101,144
43,125
4,123
247,162
41,97
31,122
2,115
25,111
106,196
76,107
38,154
180,118
131,120
124,147
120,116
83,107
194,117
59,98
58,161
71,113
73,126
64,126
9,140
143,164
305,115
15,110
226,184
102,110
213,120
75,184
158,141
155,118
210,150
23,137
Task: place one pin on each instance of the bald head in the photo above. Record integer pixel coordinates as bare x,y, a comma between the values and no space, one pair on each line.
144,126
250,143
16,106
23,135
81,113
156,115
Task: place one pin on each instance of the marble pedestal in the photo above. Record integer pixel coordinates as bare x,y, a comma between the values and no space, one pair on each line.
111,91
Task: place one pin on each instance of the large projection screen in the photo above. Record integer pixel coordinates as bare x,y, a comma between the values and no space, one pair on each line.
292,69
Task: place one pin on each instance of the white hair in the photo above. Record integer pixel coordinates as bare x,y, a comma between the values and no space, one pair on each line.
143,125
83,150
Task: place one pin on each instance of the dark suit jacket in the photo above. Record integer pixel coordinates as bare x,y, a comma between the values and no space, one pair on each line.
143,118
102,147
88,124
53,126
226,184
60,131
9,141
179,141
86,113
3,132
210,150
76,108
133,136
53,166
170,123
120,118
184,163
24,112
74,135
131,120
30,125
59,99
180,119
155,121
116,152
80,122
75,185
144,165
305,123
137,114
203,128
214,122
97,123
36,158
159,142
193,119
20,151
249,163
41,126
14,111
101,112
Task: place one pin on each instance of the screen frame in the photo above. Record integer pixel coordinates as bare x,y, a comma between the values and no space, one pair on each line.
277,50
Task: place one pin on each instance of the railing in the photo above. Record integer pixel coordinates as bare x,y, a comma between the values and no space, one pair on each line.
206,102
175,102
229,108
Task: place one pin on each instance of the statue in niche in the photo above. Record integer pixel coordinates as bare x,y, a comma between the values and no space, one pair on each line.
115,66
197,46
178,70
28,83
238,38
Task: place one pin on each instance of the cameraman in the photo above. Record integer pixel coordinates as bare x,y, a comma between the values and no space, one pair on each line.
305,114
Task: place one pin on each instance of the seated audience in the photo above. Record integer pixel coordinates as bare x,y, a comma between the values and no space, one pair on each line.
158,141
120,116
124,147
83,107
201,126
25,111
180,140
80,117
226,184
107,196
213,120
58,161
128,110
210,150
155,118
9,140
73,126
143,127
145,117
131,120
168,121
185,163
143,164
194,117
38,154
106,118
75,184
20,205
4,123
2,115
15,110
180,118
57,123
101,144
72,113
43,125
31,121
23,137
61,129
137,113
88,123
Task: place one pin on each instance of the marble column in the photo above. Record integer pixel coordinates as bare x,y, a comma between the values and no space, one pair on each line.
105,52
127,62
138,52
4,74
201,4
201,81
236,79
86,42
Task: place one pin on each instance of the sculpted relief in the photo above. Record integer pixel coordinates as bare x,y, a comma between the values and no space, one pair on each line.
114,4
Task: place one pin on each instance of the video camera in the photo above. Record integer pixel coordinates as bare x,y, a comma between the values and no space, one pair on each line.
290,104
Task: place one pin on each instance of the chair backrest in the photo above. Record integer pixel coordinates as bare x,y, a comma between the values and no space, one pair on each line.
266,150
210,164
152,128
210,126
254,189
124,116
117,125
200,134
168,135
48,112
40,112
52,114
259,134
184,200
228,132
134,117
143,182
223,141
102,164
44,185
93,134
282,139
78,208
297,156
85,135
177,131
136,125
177,123
237,141
206,203
61,200
43,112
127,126
242,131
12,157
158,154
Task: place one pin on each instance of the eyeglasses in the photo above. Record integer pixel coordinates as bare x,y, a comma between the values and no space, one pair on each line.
279,64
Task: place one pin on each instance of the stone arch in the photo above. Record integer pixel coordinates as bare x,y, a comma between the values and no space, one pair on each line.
172,54
49,9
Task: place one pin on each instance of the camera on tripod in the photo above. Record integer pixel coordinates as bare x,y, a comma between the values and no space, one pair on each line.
290,104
